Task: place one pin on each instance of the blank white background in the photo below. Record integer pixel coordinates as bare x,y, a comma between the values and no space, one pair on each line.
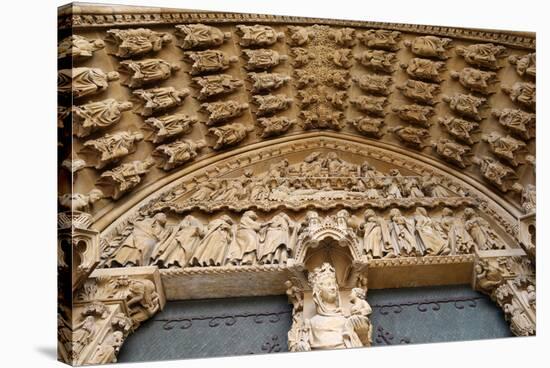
28,180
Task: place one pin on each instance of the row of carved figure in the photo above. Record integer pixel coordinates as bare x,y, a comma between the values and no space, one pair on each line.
222,241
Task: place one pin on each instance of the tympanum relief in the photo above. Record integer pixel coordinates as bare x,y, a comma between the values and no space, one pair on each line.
229,110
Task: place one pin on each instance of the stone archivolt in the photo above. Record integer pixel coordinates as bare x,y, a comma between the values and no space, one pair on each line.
261,209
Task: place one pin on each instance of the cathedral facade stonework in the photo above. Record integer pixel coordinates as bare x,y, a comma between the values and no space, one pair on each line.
213,155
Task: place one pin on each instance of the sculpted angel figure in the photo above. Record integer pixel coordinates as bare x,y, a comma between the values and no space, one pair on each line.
377,242
243,249
78,47
424,69
453,228
416,114
525,64
459,128
147,71
219,112
371,104
299,36
430,46
381,39
402,232
411,136
159,99
466,105
168,126
484,55
475,80
369,126
275,125
505,147
137,42
451,151
177,153
94,116
199,36
344,37
229,135
522,93
432,242
265,82
516,121
343,58
258,35
270,104
277,238
497,173
211,251
176,250
375,84
114,183
420,91
110,148
262,59
216,85
209,61
80,82
301,57
136,248
80,202
377,60
482,233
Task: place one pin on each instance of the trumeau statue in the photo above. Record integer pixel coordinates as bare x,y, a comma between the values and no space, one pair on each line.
177,249
370,104
424,69
114,183
262,59
258,35
415,114
216,85
518,122
495,172
299,36
137,42
430,46
221,112
343,58
209,61
78,47
271,104
380,39
110,148
375,84
147,71
168,126
243,249
467,106
368,126
459,128
177,153
414,137
526,65
481,232
99,115
329,328
421,92
377,60
275,125
475,80
266,82
80,82
159,99
199,36
451,151
522,93
229,135
377,242
344,37
211,251
485,55
506,147
138,246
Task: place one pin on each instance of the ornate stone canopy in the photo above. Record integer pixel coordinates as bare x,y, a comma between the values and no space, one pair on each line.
247,155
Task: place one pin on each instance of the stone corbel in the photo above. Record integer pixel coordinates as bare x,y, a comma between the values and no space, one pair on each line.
109,305
77,247
510,282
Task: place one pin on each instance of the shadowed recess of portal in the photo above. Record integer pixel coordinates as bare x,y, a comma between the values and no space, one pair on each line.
259,325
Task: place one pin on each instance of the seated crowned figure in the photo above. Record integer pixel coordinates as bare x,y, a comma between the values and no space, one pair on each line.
329,328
